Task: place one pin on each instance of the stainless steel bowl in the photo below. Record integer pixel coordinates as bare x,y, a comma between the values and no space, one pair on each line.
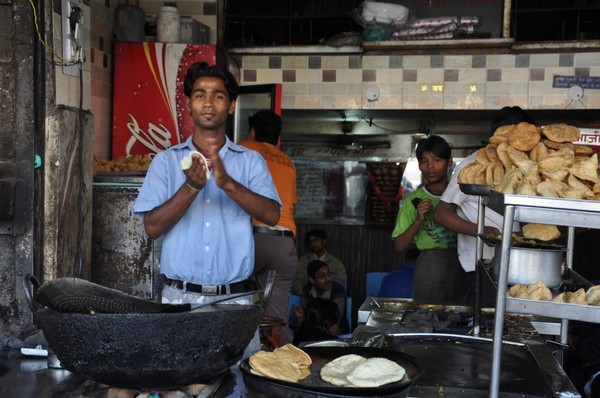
529,265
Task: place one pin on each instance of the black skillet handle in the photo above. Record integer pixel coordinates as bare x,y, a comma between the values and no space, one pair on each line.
30,287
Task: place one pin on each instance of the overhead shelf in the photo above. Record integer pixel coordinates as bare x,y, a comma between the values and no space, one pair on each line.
459,44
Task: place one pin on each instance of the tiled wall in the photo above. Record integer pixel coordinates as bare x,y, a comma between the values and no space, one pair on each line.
486,81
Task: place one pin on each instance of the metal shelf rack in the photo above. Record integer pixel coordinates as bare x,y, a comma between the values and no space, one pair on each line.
572,213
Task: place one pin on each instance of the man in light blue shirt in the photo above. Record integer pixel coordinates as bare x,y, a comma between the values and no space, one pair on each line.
205,218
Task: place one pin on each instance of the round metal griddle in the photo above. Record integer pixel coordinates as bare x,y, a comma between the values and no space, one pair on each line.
314,386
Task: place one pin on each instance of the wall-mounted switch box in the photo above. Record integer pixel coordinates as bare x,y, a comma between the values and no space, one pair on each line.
72,36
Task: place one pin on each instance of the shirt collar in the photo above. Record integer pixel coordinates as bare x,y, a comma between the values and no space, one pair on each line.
229,145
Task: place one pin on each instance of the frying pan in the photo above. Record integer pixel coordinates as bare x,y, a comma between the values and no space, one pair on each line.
149,351
314,386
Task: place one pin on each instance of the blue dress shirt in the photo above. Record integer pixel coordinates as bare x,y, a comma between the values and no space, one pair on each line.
212,244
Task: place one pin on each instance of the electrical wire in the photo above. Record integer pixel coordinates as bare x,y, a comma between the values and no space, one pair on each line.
64,62
372,123
81,181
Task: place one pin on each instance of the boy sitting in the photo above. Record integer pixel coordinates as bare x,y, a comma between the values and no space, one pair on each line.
321,285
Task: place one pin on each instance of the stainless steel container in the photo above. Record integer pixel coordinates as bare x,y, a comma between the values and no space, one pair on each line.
529,265
122,253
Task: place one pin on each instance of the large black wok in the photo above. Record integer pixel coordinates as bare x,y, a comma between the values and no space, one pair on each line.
150,351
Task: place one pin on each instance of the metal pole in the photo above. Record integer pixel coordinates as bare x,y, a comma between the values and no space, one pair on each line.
509,214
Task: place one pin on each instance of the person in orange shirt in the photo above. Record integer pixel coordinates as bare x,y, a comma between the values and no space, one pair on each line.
275,247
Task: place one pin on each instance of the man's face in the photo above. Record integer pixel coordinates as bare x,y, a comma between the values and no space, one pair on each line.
316,244
209,103
323,278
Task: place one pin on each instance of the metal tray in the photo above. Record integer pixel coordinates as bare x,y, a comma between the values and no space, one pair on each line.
314,386
529,243
475,189
399,305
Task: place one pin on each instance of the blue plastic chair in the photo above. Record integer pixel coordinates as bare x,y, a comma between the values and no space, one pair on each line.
373,283
349,318
294,300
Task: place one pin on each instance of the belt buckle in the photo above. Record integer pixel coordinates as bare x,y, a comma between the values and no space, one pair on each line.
209,290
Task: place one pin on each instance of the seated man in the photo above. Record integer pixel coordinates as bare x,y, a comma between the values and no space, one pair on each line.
321,285
317,241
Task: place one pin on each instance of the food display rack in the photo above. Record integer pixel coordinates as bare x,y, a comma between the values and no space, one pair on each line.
572,213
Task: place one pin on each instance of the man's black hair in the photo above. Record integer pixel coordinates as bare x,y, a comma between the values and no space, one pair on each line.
266,125
203,69
510,115
436,145
317,233
314,266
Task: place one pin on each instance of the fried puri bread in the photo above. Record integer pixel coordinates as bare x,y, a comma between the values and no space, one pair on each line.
294,354
586,169
501,134
375,372
468,175
539,291
559,298
492,153
545,232
551,188
576,297
524,136
592,295
583,150
558,175
335,372
501,150
521,160
539,153
275,366
561,132
512,179
518,290
577,189
558,145
481,156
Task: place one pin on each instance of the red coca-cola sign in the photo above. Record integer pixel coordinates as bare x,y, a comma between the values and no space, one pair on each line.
149,113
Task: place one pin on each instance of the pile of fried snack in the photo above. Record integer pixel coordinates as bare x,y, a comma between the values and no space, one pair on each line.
290,363
124,163
539,291
524,159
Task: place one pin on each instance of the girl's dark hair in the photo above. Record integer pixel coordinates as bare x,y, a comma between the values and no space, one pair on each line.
321,312
510,115
436,145
319,315
203,69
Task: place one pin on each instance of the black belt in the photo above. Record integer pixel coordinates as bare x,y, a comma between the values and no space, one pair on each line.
213,290
275,232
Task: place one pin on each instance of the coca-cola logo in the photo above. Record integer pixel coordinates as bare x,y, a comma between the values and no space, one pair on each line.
156,139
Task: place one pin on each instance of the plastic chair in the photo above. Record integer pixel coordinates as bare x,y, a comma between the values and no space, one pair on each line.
373,283
349,312
349,318
294,300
